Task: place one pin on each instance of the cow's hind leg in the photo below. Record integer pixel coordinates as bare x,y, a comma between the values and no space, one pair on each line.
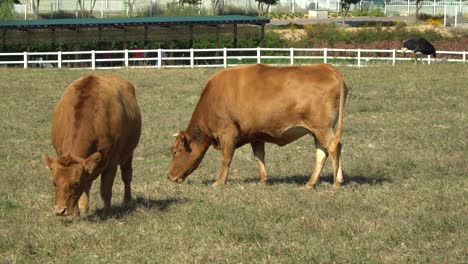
335,154
227,140
320,158
259,153
333,147
127,172
107,180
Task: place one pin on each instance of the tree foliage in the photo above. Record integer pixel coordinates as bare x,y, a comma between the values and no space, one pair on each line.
6,9
264,6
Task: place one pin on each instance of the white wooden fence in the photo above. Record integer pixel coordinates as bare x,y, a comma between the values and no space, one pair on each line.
224,57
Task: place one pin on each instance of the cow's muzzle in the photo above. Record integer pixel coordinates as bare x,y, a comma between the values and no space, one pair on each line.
60,211
178,180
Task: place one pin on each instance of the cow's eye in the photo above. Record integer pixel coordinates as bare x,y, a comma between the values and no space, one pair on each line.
175,153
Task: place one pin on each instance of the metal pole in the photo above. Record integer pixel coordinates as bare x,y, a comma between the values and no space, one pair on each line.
456,15
393,57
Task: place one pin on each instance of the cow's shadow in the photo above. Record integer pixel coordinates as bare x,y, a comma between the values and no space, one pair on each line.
138,203
302,179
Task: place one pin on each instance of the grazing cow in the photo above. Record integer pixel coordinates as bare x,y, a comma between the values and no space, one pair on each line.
95,128
257,104
419,46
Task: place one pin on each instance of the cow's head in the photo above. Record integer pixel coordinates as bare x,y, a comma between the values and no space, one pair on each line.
70,176
186,156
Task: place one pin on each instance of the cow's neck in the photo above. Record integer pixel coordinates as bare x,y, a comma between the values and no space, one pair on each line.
199,136
79,146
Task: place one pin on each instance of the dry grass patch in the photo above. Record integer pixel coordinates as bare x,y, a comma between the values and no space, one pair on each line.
404,155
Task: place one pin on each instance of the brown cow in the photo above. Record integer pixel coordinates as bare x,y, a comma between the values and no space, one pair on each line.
96,127
257,104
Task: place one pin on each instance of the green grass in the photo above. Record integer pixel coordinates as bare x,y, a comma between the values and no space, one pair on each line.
404,155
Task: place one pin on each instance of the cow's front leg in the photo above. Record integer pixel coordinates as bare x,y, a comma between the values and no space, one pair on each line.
227,142
259,153
107,180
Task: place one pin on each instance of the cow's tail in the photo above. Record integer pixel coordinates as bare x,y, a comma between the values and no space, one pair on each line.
339,128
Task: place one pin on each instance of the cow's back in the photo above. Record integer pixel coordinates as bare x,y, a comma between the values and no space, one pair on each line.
97,113
260,98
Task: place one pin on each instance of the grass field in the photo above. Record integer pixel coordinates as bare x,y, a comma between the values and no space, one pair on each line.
404,155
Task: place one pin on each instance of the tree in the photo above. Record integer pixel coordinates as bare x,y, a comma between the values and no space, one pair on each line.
418,7
35,6
214,6
345,5
264,5
131,4
6,10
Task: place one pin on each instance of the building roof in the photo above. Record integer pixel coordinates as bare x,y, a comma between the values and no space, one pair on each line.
170,20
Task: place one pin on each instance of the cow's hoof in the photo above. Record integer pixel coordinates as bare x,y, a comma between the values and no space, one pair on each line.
309,186
336,186
217,183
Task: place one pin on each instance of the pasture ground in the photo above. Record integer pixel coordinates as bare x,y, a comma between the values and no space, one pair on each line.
404,155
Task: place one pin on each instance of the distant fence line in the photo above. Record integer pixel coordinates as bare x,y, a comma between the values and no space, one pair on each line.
224,57
153,7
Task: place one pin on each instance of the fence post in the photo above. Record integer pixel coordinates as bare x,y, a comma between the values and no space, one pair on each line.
59,59
393,57
225,57
434,8
291,53
325,59
93,60
126,58
385,8
359,57
408,8
192,59
159,59
25,60
428,59
259,60
464,56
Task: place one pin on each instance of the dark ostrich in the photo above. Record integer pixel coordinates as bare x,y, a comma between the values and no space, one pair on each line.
419,46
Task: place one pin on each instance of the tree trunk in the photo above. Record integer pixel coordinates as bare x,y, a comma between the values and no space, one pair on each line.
91,8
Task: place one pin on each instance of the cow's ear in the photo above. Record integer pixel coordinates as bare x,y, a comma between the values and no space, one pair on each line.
47,161
184,136
91,162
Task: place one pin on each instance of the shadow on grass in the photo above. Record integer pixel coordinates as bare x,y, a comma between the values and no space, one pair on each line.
121,211
302,180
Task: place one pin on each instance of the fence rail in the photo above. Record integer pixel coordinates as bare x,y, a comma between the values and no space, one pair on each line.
224,57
